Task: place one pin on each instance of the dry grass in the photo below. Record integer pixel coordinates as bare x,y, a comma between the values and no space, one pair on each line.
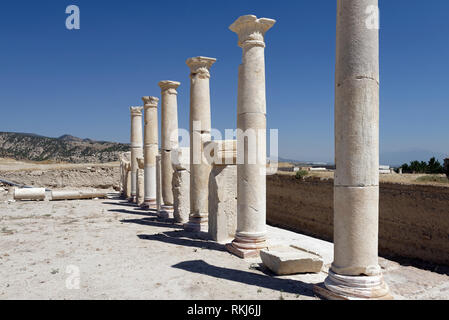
433,178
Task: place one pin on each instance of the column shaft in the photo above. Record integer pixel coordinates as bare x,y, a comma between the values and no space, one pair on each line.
169,141
355,272
356,184
251,137
200,127
136,146
150,149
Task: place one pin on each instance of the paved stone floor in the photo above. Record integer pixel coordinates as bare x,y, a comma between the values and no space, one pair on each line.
118,251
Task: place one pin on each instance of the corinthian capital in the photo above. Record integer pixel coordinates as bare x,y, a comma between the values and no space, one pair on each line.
251,31
169,86
199,66
136,111
150,102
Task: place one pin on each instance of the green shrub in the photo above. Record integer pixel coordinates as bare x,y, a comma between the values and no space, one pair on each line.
301,174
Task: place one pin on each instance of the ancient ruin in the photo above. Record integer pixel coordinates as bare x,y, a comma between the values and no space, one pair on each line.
222,222
169,141
136,147
181,184
151,144
200,126
251,120
355,271
173,211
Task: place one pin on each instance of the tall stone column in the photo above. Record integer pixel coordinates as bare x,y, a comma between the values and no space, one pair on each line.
355,272
250,236
200,127
150,150
136,146
169,142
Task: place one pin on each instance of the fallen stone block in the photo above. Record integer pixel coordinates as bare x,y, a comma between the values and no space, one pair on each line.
289,260
29,194
76,195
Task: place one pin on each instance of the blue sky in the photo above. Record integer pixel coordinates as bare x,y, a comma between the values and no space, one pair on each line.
81,82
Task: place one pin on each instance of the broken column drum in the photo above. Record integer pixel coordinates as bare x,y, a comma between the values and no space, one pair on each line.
150,150
158,184
169,141
29,193
200,128
250,237
136,146
222,220
181,184
140,183
355,271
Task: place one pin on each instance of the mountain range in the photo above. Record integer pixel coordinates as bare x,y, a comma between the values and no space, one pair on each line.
66,148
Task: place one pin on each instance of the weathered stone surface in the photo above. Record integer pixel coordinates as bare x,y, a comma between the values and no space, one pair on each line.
251,111
150,148
136,145
181,196
159,201
200,128
288,260
181,184
29,193
223,203
77,194
169,138
140,174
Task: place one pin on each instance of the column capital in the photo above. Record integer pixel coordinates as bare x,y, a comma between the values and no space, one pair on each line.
200,66
169,86
136,111
150,102
251,30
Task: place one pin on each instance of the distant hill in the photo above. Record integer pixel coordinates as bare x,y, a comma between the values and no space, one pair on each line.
67,148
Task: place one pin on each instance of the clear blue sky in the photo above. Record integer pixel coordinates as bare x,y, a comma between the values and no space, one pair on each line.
81,82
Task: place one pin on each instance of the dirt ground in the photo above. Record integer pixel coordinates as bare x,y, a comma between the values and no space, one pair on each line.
109,249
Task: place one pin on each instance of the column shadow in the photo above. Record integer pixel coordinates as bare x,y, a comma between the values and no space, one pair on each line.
146,213
154,222
249,278
121,203
183,238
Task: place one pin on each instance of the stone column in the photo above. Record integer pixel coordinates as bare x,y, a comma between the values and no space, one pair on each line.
250,236
151,144
136,147
158,184
169,141
355,271
200,127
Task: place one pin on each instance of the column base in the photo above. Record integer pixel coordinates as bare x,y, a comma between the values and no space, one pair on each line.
245,247
196,227
166,212
340,287
149,204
